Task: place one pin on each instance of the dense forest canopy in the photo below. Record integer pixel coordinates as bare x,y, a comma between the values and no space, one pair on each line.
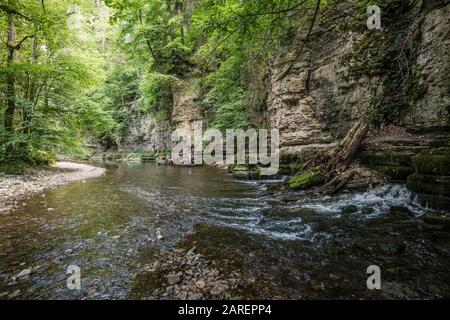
72,71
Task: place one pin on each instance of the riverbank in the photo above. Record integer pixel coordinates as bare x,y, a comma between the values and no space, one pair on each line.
15,188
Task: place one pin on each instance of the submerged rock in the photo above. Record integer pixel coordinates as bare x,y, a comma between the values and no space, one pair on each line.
245,172
440,218
400,210
349,209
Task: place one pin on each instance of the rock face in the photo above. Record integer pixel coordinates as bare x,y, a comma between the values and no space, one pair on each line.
146,133
325,91
432,109
185,109
313,105
431,179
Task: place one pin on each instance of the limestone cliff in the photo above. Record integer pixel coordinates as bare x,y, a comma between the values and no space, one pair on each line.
350,76
147,133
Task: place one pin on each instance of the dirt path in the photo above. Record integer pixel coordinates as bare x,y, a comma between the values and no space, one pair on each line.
15,188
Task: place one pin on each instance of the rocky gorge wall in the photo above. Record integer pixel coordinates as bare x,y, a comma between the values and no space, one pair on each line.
146,133
395,78
345,77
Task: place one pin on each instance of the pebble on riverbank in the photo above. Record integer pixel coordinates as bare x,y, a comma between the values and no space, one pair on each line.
15,188
189,275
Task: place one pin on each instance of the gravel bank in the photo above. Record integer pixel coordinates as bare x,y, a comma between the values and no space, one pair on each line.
15,188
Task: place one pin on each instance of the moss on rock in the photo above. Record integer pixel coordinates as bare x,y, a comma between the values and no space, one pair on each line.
395,173
429,184
434,162
306,180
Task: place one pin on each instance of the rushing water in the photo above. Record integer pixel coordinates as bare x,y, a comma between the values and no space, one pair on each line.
102,225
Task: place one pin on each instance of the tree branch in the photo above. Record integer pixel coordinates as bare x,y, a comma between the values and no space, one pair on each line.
270,12
18,44
300,50
10,10
146,40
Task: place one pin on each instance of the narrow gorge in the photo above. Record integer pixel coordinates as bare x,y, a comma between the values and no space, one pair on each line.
92,93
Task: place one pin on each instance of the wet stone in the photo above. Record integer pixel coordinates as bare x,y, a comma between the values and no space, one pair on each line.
440,218
195,296
349,209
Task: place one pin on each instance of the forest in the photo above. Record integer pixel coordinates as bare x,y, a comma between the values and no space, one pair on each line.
72,72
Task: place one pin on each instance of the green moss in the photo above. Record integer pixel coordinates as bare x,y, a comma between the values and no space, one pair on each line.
396,173
434,164
292,163
306,180
429,184
386,158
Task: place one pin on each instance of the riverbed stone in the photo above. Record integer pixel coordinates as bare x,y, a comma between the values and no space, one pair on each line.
195,296
400,210
14,294
437,218
173,278
24,273
200,284
349,209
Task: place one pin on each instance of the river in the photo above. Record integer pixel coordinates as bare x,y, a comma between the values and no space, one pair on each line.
284,245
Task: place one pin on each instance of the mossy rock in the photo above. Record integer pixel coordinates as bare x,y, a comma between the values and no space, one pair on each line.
291,164
396,173
387,158
429,184
248,172
437,218
306,180
433,162
349,209
433,201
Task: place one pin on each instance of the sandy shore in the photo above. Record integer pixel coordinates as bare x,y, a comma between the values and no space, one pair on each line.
15,188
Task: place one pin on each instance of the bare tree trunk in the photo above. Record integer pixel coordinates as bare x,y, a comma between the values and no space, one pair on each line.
334,164
28,110
10,79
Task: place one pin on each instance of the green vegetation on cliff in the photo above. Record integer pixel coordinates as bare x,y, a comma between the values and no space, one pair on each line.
77,73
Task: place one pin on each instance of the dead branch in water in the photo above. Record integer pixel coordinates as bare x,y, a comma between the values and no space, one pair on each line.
334,163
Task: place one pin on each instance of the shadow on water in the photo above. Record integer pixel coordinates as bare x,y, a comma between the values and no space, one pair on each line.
288,248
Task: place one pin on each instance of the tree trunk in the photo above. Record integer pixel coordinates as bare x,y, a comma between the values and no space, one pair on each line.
10,90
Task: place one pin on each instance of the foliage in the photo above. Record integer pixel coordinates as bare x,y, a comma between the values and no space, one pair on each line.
47,82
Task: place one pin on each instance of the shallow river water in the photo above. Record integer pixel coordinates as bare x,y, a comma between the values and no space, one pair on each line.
286,245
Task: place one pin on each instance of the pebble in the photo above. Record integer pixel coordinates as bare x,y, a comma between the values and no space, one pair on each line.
218,289
14,294
173,278
200,284
195,296
24,273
